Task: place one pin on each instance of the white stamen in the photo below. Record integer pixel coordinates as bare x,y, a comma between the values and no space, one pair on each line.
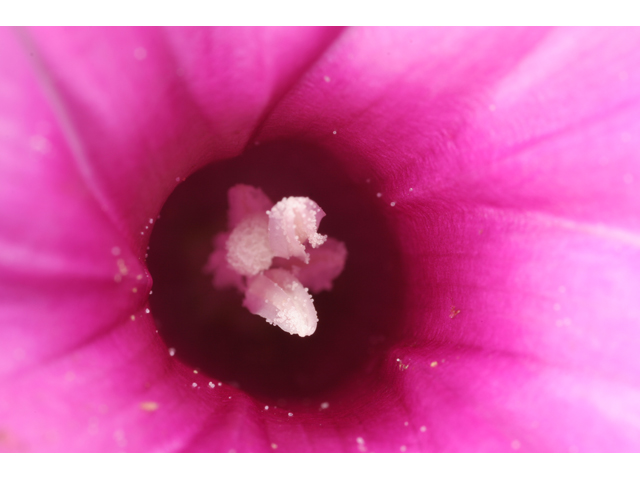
245,201
264,255
223,275
325,264
292,221
248,251
280,298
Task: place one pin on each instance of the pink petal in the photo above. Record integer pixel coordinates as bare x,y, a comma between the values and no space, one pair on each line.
148,107
90,179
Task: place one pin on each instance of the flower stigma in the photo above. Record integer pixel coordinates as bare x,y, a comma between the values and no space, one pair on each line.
275,255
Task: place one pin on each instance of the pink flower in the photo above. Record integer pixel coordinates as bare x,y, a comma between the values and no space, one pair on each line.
484,181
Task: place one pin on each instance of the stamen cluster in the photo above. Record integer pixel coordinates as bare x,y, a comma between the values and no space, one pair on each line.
264,255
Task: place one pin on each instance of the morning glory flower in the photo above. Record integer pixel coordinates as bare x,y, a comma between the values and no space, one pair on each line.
484,184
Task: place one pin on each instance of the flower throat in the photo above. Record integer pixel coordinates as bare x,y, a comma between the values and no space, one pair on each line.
207,327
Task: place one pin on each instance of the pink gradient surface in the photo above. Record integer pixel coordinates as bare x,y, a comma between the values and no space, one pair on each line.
510,156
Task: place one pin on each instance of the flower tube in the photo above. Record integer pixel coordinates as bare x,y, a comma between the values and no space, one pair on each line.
484,182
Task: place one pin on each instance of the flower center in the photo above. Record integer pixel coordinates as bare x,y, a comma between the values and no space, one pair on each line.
208,326
265,257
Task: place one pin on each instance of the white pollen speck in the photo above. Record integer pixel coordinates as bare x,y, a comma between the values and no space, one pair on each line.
140,53
139,277
327,78
151,220
274,446
172,352
378,194
515,445
219,384
115,251
146,227
423,429
141,233
393,204
133,317
195,371
212,385
324,405
411,189
266,407
290,414
360,440
147,310
434,364
134,290
403,448
406,424
335,132
229,398
194,384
